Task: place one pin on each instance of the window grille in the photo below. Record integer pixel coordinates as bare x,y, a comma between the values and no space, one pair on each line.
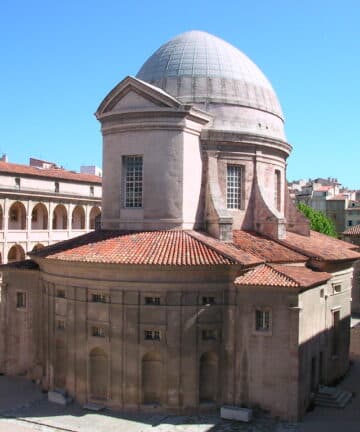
98,331
133,181
152,300
152,335
99,298
234,187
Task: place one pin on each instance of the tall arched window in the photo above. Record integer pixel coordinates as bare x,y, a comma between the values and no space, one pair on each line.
17,216
59,217
94,213
152,378
98,370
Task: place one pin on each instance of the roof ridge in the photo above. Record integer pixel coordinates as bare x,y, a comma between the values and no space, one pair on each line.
209,241
283,274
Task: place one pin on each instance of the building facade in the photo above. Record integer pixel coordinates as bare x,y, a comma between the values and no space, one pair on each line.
204,285
41,204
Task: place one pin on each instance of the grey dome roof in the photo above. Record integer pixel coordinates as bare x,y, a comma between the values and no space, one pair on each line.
197,67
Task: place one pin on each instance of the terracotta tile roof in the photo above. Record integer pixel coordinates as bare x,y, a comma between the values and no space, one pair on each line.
174,247
283,276
352,231
56,173
320,247
265,248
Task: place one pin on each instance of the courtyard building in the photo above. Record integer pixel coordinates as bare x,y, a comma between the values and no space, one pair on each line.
41,204
204,285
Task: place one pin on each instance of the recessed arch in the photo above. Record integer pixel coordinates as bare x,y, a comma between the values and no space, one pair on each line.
59,220
39,217
208,377
37,247
98,373
60,365
17,216
152,378
16,253
78,218
94,215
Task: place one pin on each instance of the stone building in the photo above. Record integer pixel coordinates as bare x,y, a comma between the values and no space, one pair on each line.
41,204
204,285
352,235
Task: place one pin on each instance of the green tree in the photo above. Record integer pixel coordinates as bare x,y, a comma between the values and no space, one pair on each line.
318,221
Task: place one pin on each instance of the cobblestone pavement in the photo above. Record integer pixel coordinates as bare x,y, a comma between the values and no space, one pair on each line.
24,408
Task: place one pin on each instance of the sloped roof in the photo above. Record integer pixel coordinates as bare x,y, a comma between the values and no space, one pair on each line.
265,248
174,247
283,276
320,246
56,173
352,231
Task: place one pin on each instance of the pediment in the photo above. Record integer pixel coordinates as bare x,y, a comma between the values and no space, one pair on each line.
134,94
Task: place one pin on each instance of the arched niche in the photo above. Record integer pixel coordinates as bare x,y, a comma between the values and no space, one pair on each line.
98,374
59,220
78,218
208,377
39,217
152,378
16,253
60,365
17,216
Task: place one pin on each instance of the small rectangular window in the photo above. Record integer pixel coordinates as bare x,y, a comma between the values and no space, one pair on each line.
152,300
60,325
262,320
17,182
208,300
152,335
322,292
98,331
209,334
133,181
99,298
60,293
234,187
350,223
337,288
91,190
57,187
20,300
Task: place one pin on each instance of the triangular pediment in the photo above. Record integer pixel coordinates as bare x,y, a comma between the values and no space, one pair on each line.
133,94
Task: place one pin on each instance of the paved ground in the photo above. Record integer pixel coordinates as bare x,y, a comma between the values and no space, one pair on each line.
24,408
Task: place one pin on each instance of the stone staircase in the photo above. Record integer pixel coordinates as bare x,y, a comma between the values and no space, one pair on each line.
332,397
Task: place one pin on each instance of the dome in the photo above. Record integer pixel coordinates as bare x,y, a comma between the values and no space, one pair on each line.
197,67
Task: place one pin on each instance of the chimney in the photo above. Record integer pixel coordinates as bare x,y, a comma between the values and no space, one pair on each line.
4,158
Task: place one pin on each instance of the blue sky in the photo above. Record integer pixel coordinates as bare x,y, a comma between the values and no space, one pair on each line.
60,58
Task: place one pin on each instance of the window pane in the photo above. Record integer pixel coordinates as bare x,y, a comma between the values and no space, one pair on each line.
234,187
133,181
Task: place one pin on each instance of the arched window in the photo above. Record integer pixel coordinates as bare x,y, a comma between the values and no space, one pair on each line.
208,377
60,365
16,253
94,214
59,218
152,378
17,216
39,217
98,374
78,218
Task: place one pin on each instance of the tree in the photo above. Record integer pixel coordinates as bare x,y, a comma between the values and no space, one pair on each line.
318,221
